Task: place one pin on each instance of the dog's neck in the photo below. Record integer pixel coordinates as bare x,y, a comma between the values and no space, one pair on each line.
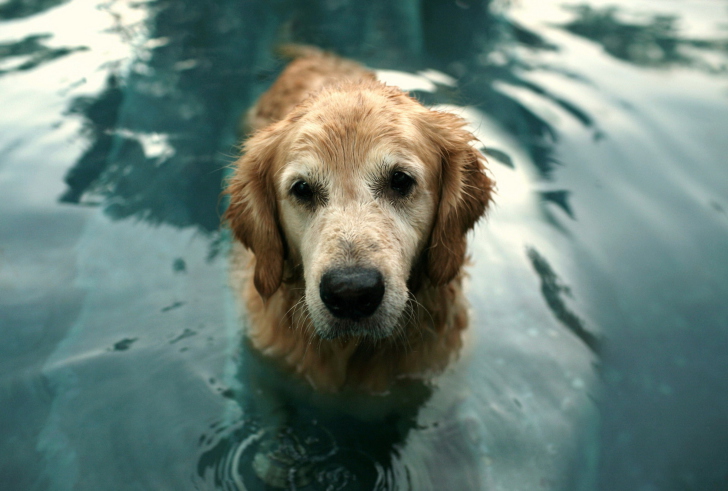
281,328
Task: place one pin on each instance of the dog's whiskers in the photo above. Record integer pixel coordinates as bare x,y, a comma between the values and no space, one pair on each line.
290,315
426,326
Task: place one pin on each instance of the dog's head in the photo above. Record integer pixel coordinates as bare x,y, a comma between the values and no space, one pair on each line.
365,193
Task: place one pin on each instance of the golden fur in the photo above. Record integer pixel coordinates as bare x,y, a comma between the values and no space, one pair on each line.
327,121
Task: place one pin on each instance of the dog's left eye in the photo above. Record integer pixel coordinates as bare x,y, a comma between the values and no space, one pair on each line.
402,183
302,191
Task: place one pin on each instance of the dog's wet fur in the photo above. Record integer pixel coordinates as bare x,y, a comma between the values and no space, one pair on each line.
351,204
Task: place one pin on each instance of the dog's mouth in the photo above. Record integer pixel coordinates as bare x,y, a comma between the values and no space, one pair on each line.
355,303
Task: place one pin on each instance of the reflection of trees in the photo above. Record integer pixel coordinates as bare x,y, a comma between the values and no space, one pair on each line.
653,43
17,9
215,58
464,39
211,59
187,94
470,42
100,115
32,52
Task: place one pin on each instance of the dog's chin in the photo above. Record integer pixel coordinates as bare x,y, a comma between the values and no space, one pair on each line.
375,327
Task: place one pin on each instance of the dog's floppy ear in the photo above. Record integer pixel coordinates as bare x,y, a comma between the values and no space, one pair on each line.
253,210
465,193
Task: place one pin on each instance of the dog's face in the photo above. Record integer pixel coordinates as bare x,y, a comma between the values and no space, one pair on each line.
364,192
356,213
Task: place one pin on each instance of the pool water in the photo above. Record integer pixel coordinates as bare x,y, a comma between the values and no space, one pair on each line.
597,354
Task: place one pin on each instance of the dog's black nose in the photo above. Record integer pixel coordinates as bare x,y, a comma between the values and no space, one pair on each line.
352,293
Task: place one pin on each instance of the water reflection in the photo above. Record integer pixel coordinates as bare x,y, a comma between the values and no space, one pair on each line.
17,9
206,62
161,135
29,53
100,117
191,88
517,413
483,56
656,42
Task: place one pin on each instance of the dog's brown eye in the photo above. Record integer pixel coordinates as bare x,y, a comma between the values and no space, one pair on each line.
302,191
402,183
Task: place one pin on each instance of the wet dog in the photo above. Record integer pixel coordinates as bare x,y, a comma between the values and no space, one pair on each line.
353,201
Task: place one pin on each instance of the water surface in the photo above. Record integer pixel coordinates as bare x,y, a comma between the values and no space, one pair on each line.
598,345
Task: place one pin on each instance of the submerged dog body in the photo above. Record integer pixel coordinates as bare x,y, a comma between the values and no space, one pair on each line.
355,201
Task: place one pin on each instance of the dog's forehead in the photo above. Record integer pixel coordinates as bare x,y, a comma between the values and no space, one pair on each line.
364,160
346,142
330,152
343,128
347,138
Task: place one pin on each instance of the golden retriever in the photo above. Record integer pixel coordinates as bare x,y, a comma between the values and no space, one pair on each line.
355,201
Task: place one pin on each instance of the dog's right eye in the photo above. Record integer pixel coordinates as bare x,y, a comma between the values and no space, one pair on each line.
302,191
402,183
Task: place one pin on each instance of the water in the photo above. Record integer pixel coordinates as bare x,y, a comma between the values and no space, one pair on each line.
598,345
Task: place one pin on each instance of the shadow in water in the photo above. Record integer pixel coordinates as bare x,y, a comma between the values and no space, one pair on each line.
554,291
291,437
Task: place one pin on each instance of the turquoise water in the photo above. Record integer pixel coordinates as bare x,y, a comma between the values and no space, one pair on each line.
598,348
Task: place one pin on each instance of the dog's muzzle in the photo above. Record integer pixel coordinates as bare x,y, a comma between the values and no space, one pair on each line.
352,293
